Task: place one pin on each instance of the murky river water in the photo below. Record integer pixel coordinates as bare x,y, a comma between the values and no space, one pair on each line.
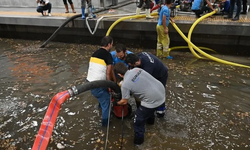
208,104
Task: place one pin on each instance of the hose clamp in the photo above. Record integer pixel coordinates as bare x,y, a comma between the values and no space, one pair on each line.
70,92
75,90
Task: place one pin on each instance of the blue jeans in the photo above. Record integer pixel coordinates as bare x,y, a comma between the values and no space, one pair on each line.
103,97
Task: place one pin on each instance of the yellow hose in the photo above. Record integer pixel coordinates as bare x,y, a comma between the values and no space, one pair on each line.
205,54
184,37
191,30
125,18
183,47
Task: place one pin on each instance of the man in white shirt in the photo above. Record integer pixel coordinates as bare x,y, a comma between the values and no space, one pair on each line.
44,5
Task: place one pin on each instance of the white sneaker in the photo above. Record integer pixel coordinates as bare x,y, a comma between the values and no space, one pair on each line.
49,14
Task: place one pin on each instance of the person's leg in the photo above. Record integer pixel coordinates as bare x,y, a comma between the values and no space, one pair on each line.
103,97
238,2
198,13
83,6
148,16
160,32
244,3
140,3
165,45
72,6
151,119
226,6
138,8
160,111
230,14
141,115
49,6
237,16
40,9
90,10
66,6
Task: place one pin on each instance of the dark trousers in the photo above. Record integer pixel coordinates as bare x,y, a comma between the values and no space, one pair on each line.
143,115
46,7
200,11
244,3
65,2
232,3
147,2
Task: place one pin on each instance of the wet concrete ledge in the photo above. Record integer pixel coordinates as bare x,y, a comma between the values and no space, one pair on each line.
207,32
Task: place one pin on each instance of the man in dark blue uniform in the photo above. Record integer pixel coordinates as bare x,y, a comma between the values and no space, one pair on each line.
153,66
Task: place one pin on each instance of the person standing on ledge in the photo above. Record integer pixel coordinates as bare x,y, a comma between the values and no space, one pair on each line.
230,14
89,7
66,6
244,7
44,5
138,8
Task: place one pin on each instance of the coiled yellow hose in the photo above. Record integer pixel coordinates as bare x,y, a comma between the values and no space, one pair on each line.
184,47
188,40
199,50
191,30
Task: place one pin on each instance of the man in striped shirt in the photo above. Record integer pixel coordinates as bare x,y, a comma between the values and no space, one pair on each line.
101,68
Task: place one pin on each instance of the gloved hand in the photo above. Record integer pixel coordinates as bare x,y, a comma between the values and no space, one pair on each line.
120,83
115,102
117,98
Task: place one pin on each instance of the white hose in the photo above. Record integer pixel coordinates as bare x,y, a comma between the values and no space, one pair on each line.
98,20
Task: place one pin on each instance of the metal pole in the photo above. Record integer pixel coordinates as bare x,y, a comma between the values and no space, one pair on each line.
122,128
107,134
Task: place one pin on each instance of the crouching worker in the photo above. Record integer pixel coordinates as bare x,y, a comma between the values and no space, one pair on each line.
149,90
199,7
44,5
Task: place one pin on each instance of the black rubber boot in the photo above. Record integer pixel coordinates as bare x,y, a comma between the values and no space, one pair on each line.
236,18
159,115
228,17
138,140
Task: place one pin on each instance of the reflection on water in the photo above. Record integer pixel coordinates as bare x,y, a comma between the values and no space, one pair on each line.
208,103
